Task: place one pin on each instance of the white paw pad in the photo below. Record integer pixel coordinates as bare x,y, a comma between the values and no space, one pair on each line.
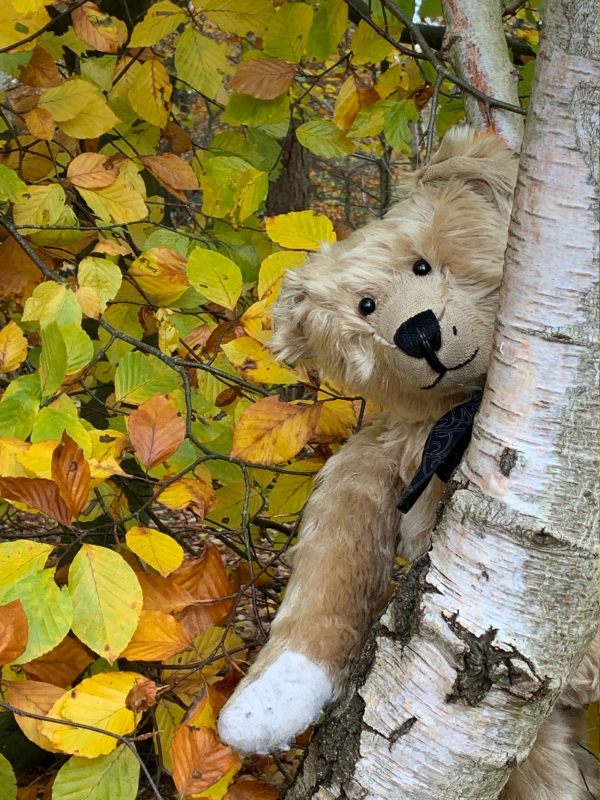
266,714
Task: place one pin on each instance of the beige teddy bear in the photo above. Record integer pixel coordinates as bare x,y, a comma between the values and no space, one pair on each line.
401,312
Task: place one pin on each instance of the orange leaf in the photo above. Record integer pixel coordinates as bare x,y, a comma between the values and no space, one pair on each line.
157,637
62,665
39,494
36,698
101,31
190,493
40,70
14,631
271,432
19,281
206,580
199,759
161,594
142,696
156,429
71,473
40,123
249,789
171,170
90,171
354,95
178,138
264,78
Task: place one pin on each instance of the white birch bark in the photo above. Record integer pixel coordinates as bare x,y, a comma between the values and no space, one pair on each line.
500,617
479,54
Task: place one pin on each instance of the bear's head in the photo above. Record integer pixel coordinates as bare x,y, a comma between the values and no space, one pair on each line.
402,311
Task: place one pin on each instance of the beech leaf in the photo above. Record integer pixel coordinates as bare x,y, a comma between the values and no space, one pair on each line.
264,78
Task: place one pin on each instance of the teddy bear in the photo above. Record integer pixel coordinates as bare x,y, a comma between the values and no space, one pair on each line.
401,312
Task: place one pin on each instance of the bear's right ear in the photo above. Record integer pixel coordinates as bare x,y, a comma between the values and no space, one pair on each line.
290,316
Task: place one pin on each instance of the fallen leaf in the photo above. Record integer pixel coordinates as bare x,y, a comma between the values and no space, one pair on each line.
156,430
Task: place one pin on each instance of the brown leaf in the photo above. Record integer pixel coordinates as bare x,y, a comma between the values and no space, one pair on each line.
195,340
71,473
36,698
206,580
264,78
40,70
156,429
249,789
101,31
39,494
142,696
91,171
179,140
199,759
175,174
62,665
40,123
14,631
19,281
161,594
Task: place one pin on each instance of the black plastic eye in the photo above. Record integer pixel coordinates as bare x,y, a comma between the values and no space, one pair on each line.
421,267
367,306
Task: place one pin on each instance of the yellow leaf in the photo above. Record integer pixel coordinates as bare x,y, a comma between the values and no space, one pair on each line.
271,432
91,171
40,123
188,493
150,93
291,492
99,701
157,549
40,206
107,600
21,558
37,459
161,274
216,277
120,202
19,23
237,16
287,31
95,119
257,320
13,347
257,364
300,230
10,452
162,19
272,270
168,717
158,636
354,95
101,31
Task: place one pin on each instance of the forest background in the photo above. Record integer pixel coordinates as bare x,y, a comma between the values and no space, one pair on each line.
162,165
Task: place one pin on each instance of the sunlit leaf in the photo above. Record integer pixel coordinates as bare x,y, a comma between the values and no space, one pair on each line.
355,94
205,579
101,275
191,493
91,171
107,600
157,549
232,188
272,270
119,202
300,230
271,432
99,701
21,557
216,277
108,777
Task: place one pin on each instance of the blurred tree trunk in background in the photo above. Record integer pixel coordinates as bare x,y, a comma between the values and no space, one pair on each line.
290,192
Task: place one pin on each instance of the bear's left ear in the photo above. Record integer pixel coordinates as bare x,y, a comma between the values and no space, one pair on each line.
290,315
482,160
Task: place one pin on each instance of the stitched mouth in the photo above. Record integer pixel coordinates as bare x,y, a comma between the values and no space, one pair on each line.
445,370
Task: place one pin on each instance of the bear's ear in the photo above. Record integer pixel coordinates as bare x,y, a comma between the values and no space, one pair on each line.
483,160
290,314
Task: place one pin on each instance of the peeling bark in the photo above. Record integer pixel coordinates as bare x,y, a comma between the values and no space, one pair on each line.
479,53
484,633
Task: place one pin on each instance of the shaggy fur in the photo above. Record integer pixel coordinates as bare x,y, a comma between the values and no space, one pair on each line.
455,216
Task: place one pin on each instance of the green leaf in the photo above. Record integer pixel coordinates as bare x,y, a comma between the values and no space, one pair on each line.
19,406
216,277
48,610
396,128
53,359
124,316
245,110
162,19
201,62
328,28
253,146
11,186
20,559
431,8
102,275
107,600
232,188
323,138
140,377
8,782
370,120
111,777
239,17
287,31
79,347
368,47
52,303
50,423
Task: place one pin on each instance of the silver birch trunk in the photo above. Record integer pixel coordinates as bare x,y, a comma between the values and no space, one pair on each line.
479,54
485,632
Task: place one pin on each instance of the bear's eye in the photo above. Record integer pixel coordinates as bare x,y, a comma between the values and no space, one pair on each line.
367,306
421,267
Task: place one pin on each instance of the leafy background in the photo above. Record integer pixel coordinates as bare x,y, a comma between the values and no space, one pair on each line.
162,165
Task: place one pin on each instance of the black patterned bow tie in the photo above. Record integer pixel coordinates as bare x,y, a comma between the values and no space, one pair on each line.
443,450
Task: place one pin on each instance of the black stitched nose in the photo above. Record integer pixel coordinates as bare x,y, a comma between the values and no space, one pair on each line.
421,337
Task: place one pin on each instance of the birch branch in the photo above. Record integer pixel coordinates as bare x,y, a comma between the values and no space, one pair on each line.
482,637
